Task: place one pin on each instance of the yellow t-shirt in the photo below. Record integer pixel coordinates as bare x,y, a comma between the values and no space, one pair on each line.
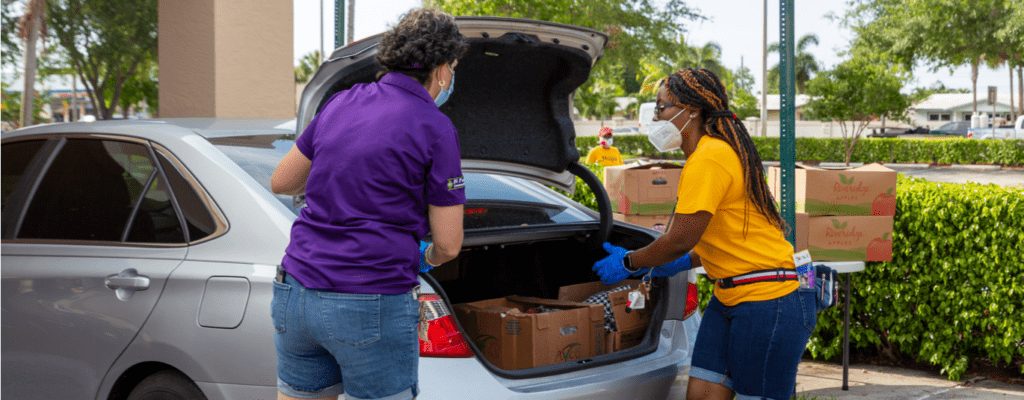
609,157
712,181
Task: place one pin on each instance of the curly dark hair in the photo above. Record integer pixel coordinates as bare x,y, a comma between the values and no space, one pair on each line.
424,39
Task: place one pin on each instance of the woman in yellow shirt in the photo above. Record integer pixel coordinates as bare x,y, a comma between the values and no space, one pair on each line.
757,323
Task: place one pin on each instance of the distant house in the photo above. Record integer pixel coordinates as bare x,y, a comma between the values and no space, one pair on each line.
941,108
774,106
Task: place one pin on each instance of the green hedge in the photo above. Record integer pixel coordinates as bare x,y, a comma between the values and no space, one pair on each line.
953,290
894,150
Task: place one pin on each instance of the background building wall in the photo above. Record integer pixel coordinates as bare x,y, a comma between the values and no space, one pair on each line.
226,58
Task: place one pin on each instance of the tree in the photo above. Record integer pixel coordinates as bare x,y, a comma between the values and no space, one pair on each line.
941,33
140,87
11,107
105,42
307,66
637,29
919,94
30,26
11,42
804,64
707,56
855,92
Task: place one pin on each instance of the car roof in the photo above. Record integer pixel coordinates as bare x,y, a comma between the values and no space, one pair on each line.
166,128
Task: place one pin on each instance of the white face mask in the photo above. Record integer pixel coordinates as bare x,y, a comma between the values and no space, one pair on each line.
606,142
663,135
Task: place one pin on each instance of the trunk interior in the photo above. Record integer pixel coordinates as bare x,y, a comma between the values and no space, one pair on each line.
539,269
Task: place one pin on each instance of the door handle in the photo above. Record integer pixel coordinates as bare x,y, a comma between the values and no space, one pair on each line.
126,283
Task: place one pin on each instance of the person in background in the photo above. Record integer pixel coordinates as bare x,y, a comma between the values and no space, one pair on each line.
759,319
605,154
380,168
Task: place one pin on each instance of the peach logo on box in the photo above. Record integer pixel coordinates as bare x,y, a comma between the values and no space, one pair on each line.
879,248
884,204
574,351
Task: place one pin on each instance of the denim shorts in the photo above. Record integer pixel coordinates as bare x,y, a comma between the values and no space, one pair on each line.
754,347
362,345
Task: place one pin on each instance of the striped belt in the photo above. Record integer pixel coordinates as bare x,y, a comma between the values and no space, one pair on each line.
769,275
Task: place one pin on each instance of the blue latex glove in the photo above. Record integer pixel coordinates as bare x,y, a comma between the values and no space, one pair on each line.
424,267
667,270
610,268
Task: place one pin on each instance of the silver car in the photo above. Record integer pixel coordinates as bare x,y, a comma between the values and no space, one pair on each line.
138,256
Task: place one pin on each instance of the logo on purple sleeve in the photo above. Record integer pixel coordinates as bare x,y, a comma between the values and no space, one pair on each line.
456,183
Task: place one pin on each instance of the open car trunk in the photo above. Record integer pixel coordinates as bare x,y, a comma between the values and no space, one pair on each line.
538,269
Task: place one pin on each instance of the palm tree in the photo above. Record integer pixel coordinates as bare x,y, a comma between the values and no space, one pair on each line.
804,64
29,28
707,57
307,66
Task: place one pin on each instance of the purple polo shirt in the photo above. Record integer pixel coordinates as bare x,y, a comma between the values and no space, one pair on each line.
381,152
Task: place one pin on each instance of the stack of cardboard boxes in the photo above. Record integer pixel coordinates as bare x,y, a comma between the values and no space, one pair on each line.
842,214
643,194
516,332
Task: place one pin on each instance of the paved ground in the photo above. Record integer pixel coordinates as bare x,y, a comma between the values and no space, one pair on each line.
823,381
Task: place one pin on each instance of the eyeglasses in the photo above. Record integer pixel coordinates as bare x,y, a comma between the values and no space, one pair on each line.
658,108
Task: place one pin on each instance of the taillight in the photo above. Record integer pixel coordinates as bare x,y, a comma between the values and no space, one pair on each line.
440,337
692,299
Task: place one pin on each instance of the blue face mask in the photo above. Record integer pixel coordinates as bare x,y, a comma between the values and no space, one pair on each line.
443,96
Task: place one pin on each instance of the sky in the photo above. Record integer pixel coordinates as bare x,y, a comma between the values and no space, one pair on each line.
734,24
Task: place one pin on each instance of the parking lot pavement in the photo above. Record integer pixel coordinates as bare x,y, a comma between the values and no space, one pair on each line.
822,381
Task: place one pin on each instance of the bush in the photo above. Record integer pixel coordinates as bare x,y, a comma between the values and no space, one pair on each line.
867,150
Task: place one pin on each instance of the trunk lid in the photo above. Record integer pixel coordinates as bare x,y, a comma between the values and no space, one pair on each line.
512,100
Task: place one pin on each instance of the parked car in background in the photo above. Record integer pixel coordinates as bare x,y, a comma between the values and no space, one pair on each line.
1004,132
958,128
139,255
886,132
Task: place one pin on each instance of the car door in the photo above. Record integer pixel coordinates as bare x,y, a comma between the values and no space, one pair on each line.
91,232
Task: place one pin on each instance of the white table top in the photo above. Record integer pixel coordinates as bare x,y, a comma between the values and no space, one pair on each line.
842,267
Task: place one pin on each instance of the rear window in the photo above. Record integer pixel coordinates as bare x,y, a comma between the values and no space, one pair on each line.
493,201
259,158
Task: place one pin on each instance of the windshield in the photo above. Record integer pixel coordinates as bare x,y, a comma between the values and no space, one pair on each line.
493,201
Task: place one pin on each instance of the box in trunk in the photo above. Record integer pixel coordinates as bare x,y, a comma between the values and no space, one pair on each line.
630,326
515,332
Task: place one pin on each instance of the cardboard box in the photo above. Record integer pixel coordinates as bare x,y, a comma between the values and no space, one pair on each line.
867,190
656,222
512,338
845,238
631,327
649,189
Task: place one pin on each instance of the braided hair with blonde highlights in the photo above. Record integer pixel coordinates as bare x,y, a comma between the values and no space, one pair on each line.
701,89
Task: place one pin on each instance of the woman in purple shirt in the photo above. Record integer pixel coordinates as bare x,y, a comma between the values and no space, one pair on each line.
380,169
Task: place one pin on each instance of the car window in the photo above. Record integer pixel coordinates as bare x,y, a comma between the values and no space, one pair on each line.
91,190
16,158
496,201
259,161
198,219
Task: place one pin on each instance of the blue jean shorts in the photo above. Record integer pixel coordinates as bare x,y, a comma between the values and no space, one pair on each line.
754,347
362,345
